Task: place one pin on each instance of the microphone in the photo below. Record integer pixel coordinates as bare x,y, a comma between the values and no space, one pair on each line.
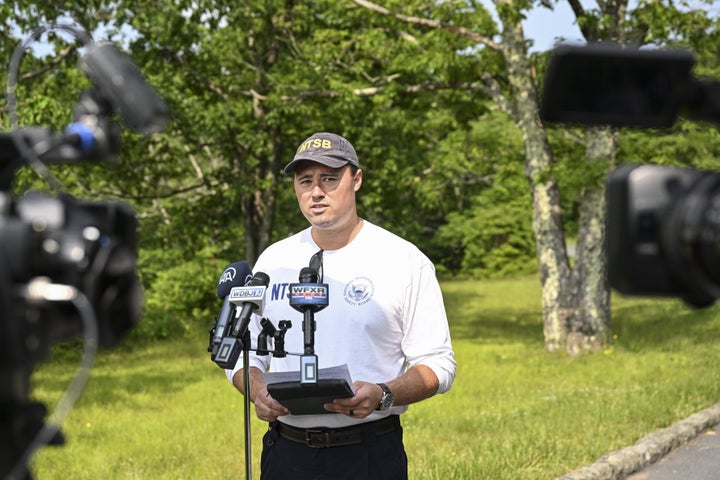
234,275
308,297
120,80
251,297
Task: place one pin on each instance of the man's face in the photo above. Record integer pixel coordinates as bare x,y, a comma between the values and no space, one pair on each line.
326,196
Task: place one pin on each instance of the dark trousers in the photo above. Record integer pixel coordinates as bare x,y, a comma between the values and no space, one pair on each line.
376,458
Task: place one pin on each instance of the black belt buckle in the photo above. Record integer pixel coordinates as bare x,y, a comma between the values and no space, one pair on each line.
317,438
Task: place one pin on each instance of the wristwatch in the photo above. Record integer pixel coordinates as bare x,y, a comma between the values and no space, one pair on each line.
387,399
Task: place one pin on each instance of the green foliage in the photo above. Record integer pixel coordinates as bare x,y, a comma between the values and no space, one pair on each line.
476,180
494,240
248,82
180,300
687,144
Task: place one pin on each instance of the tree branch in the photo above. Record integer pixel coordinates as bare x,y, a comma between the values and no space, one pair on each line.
493,89
579,11
55,62
461,31
370,91
577,7
213,87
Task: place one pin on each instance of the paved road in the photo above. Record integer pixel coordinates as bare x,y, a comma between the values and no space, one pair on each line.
699,459
686,450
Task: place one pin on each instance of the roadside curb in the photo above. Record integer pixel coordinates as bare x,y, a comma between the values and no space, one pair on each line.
619,464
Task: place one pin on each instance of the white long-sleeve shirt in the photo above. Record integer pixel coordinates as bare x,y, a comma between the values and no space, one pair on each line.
385,313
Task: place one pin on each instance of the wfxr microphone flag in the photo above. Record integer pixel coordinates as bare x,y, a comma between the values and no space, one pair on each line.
308,294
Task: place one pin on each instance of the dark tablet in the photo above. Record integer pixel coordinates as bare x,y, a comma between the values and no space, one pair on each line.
308,399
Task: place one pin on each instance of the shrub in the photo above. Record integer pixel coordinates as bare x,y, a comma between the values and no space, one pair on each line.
490,241
180,296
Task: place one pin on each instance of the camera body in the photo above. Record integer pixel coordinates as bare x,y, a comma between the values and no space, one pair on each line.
67,266
663,223
663,231
52,251
88,245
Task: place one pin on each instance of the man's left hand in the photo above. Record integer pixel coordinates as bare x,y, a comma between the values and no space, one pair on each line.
367,398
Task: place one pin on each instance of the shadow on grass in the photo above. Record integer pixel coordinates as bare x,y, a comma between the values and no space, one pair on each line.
498,327
125,375
471,318
662,324
509,311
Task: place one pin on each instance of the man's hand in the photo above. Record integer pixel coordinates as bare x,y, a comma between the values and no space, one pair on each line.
267,408
366,399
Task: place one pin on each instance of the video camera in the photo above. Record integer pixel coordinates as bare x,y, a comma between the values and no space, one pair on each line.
67,266
663,223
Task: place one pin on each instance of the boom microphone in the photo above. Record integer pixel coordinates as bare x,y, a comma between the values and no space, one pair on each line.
120,80
120,87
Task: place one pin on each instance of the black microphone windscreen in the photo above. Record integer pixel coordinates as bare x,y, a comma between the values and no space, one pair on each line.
308,275
119,78
260,279
235,275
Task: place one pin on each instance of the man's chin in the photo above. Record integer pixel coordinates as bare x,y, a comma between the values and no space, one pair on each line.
322,225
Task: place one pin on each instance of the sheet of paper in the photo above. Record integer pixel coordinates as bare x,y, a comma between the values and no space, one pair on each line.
338,371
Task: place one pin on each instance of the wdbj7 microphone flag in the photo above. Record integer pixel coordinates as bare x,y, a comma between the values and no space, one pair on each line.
252,299
221,346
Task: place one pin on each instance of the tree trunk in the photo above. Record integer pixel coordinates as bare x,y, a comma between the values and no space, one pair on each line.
259,198
555,272
575,300
589,327
259,204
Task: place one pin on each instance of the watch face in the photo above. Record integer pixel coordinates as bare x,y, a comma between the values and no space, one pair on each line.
386,401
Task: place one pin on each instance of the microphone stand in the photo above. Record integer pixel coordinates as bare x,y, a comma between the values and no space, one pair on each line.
246,381
225,353
278,336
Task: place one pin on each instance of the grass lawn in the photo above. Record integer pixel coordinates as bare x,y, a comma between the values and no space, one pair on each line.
165,411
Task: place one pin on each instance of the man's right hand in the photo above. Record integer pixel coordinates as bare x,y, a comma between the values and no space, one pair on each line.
266,407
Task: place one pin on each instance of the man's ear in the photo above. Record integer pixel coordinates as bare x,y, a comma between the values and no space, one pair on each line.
357,180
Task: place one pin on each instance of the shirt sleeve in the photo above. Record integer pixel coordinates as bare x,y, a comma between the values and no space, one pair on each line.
426,338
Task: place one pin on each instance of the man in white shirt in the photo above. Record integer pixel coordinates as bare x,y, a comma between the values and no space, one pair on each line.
385,320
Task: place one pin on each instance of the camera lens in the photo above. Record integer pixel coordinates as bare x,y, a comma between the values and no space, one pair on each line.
691,239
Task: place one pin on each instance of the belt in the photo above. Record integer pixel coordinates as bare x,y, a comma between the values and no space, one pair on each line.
326,437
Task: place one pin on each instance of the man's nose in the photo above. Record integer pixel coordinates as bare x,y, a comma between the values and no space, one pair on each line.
317,191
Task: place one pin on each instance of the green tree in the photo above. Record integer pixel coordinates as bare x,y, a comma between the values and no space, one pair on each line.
575,296
439,100
245,84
